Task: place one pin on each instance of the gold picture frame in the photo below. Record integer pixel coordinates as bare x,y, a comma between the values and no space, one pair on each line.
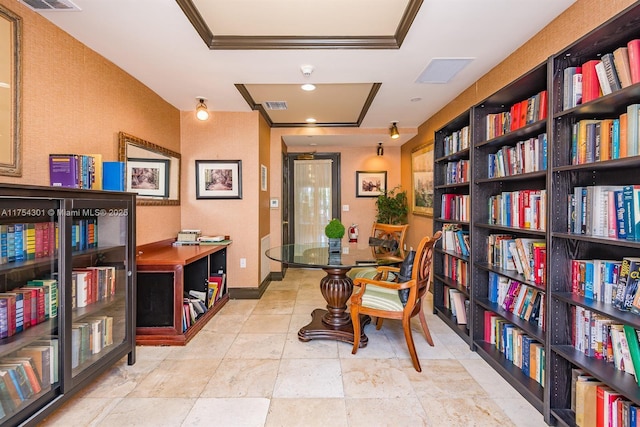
422,180
10,97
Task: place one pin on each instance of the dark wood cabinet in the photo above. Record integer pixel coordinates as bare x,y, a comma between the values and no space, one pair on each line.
50,238
166,274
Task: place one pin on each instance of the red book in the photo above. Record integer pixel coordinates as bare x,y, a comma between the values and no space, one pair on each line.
633,49
524,106
40,317
543,105
590,83
92,283
40,226
11,313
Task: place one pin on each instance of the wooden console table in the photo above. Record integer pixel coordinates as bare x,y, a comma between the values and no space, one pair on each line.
164,273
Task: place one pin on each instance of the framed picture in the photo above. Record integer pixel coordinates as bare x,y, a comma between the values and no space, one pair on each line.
422,179
370,183
263,178
148,177
218,179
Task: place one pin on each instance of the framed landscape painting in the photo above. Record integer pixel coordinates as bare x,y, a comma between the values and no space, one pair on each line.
370,183
218,179
148,177
422,179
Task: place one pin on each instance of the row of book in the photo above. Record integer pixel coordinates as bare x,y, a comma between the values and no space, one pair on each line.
520,114
455,239
27,241
525,255
456,302
595,140
602,338
525,157
605,211
92,284
90,337
520,349
28,306
596,405
524,301
86,171
519,209
457,141
457,270
597,77
456,207
457,172
27,373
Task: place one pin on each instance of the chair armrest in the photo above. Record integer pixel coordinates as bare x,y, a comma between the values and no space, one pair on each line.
362,282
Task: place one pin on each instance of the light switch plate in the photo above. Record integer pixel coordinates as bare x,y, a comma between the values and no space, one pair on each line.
274,203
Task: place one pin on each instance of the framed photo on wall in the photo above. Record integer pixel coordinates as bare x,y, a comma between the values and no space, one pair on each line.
148,177
370,183
422,179
218,179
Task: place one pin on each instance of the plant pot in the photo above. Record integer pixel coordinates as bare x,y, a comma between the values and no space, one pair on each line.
335,245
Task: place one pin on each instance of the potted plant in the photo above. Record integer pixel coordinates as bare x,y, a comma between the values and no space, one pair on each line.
392,207
334,231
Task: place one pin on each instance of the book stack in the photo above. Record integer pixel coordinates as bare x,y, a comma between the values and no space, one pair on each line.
187,237
457,141
526,302
91,336
525,157
92,284
27,241
521,209
520,114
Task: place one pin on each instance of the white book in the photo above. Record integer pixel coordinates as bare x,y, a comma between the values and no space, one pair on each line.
602,79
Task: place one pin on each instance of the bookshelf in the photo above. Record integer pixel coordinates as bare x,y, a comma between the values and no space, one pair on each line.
565,242
165,274
80,327
553,332
452,177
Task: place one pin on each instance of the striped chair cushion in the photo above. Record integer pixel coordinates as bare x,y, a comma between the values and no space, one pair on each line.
366,273
382,299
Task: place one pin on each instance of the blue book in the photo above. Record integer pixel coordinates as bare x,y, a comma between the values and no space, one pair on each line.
4,257
543,151
11,242
493,287
615,139
18,240
526,354
629,213
588,280
113,176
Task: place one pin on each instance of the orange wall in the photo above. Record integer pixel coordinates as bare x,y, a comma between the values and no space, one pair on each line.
76,101
225,136
576,21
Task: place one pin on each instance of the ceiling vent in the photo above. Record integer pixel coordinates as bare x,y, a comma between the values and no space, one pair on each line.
276,105
51,5
442,70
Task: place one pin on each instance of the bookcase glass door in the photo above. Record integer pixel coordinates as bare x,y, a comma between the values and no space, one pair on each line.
99,281
29,271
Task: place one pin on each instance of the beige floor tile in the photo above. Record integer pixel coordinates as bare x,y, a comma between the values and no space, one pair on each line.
319,349
266,323
227,412
300,378
274,306
385,412
375,378
177,378
489,379
205,344
444,378
81,412
307,413
465,412
121,379
148,412
226,323
241,307
257,346
243,378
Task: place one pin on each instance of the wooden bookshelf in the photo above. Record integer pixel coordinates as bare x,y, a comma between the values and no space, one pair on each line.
165,273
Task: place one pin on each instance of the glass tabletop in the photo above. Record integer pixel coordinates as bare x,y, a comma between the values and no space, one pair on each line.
317,255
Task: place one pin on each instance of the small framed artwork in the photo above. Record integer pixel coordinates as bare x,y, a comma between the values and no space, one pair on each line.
370,183
422,179
218,179
148,177
263,178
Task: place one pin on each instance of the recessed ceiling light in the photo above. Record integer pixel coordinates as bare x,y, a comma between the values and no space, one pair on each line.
308,87
417,99
311,120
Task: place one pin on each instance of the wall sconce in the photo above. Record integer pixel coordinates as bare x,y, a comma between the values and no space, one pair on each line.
380,150
393,131
202,113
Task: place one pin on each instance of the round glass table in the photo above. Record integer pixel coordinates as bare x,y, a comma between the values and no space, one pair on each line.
336,287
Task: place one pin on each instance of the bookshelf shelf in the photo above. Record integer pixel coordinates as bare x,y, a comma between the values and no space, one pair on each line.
75,320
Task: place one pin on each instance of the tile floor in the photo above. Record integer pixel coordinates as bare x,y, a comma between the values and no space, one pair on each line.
247,368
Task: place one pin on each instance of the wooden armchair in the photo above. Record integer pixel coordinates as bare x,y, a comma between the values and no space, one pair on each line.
387,247
381,298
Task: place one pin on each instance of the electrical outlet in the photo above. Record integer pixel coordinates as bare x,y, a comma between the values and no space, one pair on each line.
243,263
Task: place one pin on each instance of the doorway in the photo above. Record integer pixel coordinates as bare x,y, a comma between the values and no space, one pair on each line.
312,188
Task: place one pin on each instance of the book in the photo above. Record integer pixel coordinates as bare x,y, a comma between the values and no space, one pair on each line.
631,335
41,357
590,83
633,124
586,398
633,50
113,176
621,61
63,170
605,86
612,73
628,264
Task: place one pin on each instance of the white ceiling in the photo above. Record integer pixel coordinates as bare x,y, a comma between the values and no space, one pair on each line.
154,41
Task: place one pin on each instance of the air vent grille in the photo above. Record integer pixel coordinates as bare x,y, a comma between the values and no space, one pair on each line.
276,105
51,5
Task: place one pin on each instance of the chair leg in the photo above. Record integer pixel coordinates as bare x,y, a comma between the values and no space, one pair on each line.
379,323
355,321
425,328
406,326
